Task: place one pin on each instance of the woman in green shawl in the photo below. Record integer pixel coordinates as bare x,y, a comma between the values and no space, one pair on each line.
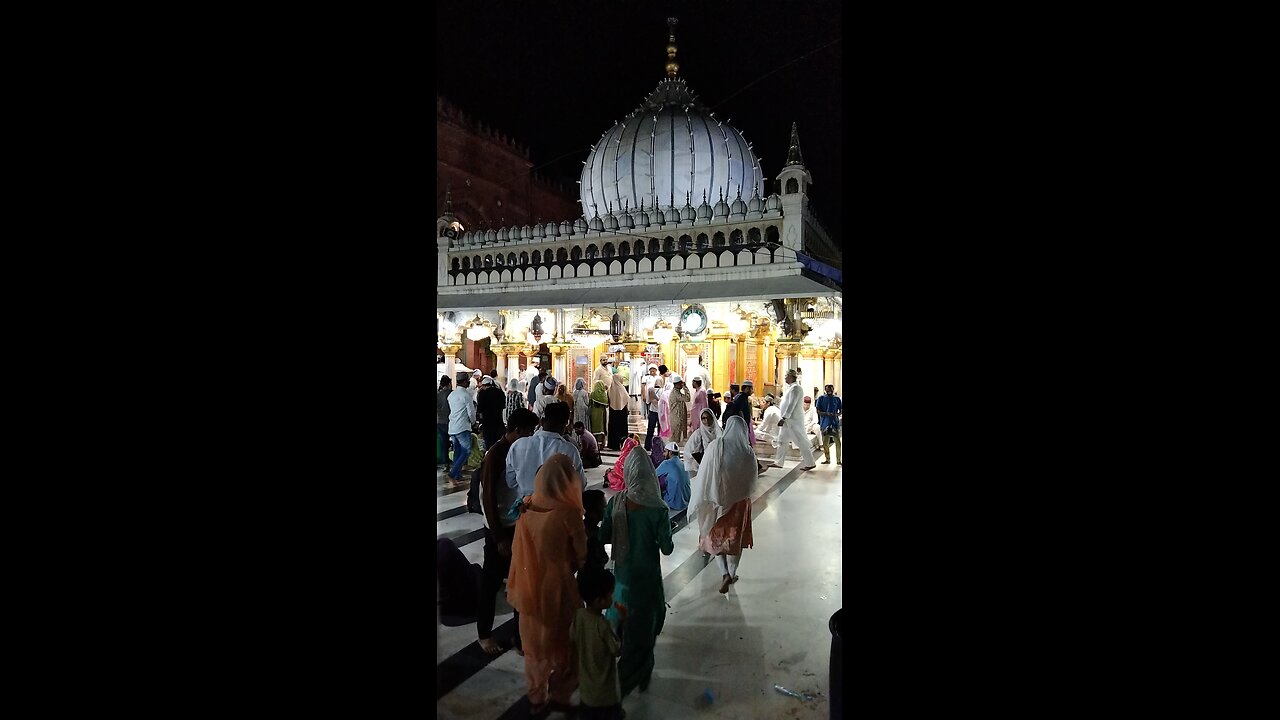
638,525
599,403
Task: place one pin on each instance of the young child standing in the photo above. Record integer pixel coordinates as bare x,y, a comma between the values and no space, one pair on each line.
593,503
598,648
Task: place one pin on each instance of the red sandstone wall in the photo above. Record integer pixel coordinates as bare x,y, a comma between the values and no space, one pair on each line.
489,176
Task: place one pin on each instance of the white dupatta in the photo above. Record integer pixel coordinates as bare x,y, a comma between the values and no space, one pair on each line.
725,477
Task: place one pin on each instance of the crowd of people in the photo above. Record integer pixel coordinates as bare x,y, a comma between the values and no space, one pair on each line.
588,618
473,415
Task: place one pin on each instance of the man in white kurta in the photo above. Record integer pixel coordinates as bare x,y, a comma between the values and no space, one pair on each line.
768,428
792,424
603,374
811,426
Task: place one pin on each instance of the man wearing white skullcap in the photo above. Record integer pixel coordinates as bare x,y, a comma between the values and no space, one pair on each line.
678,410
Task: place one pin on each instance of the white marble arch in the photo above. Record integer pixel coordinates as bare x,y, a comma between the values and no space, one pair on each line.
677,263
726,259
645,265
506,276
629,266
709,260
482,278
542,272
693,263
746,257
584,270
555,271
471,278
568,271
762,257
599,268
615,268
659,264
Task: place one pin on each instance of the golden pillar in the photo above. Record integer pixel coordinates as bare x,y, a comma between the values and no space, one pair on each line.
718,363
811,365
450,359
765,364
787,355
512,366
558,368
670,355
829,367
838,380
740,347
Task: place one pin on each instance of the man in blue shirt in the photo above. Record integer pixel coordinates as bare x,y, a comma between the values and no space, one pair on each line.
675,479
829,407
462,415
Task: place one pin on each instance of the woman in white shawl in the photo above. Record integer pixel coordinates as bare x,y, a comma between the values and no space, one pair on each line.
722,497
637,524
699,440
581,403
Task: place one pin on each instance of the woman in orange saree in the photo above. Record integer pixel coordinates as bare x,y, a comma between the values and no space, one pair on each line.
550,545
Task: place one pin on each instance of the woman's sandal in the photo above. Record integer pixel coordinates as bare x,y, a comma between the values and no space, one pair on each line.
724,585
734,580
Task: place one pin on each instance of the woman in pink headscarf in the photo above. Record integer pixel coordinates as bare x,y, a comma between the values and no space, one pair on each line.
615,476
699,404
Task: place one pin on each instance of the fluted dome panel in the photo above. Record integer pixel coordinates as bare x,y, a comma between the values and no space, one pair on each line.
666,150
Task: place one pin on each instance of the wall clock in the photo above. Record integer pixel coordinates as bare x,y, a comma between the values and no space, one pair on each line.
693,321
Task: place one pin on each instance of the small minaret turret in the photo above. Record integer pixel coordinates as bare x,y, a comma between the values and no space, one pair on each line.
795,181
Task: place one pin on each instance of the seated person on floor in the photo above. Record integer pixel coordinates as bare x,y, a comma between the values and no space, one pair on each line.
587,446
459,583
768,429
674,479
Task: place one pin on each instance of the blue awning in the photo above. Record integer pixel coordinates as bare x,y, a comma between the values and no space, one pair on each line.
820,267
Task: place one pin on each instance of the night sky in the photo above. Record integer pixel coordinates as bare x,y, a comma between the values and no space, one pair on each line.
556,75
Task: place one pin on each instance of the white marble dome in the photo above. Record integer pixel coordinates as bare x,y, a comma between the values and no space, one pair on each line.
666,150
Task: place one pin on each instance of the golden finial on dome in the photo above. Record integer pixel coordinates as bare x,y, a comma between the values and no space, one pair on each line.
672,66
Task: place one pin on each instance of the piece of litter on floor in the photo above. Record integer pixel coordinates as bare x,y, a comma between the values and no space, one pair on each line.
804,697
705,699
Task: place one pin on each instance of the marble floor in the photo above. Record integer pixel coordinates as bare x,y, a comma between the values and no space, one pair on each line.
771,627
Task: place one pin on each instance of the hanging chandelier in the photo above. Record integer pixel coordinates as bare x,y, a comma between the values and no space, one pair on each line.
663,332
479,329
587,337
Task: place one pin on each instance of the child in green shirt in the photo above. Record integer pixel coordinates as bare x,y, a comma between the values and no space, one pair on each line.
598,648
